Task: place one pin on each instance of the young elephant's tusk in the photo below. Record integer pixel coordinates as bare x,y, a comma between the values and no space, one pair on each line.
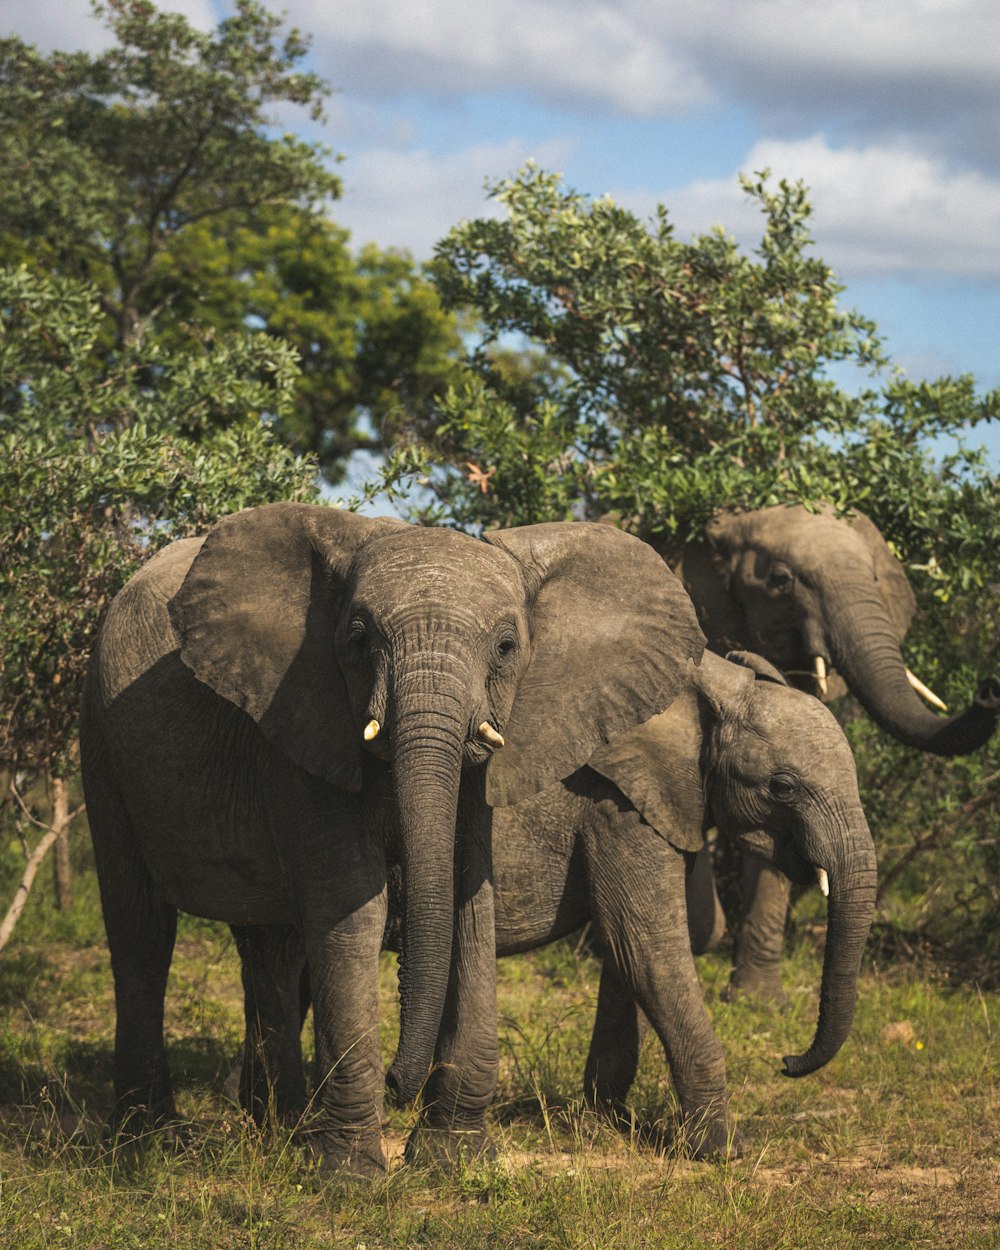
490,735
820,671
372,730
929,695
824,882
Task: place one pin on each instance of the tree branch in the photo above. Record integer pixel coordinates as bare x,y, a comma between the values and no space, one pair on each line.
52,833
988,794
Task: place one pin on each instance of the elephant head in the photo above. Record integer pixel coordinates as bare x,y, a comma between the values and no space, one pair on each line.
341,635
820,595
769,766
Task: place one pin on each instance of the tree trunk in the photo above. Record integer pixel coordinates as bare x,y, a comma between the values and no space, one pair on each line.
61,871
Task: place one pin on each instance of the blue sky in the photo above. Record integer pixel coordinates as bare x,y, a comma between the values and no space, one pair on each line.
888,109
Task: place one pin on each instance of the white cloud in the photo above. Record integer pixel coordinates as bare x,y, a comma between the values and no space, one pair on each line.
593,50
70,25
410,199
878,67
879,211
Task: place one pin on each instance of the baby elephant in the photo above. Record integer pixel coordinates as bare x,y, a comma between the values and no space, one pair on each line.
614,844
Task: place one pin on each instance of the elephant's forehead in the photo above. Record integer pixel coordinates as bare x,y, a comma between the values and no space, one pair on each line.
798,535
438,564
798,724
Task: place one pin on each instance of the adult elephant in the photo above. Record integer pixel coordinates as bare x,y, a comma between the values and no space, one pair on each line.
618,843
824,599
275,709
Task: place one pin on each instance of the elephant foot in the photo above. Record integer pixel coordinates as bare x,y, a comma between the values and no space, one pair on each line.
131,1123
758,984
447,1149
350,1156
702,1136
708,1139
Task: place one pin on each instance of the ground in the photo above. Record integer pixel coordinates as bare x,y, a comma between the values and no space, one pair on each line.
893,1144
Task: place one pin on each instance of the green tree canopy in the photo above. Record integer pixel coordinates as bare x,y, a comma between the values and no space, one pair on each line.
661,379
97,470
153,172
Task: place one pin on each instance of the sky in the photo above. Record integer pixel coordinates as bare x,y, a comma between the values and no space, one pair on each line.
889,111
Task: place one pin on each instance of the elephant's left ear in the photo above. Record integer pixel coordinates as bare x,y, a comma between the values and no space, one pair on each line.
612,632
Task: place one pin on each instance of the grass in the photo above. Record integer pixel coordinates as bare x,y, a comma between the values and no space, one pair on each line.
894,1144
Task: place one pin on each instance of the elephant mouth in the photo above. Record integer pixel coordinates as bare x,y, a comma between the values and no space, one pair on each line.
481,743
782,854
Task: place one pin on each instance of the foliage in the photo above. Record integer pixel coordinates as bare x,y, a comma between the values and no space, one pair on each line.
670,377
98,467
154,172
117,155
372,338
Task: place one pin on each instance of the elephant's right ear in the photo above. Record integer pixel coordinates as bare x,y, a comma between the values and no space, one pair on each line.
890,576
657,766
256,617
763,668
611,634
704,570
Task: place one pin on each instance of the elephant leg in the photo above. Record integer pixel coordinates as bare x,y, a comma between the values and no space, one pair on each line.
343,952
141,927
706,919
757,968
614,1046
641,916
462,1082
272,1084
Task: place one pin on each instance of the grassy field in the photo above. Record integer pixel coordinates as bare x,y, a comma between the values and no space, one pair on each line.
895,1144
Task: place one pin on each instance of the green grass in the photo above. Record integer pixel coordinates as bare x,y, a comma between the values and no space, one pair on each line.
894,1144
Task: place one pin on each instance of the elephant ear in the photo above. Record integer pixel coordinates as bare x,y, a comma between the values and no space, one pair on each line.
612,631
704,570
763,668
893,584
256,616
657,766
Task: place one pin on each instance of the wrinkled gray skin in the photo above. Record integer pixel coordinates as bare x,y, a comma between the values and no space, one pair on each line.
791,585
614,844
226,773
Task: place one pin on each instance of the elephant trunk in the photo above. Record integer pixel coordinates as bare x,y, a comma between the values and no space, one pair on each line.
427,773
852,882
865,650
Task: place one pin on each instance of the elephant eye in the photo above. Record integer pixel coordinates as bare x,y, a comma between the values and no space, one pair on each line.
782,788
780,578
356,631
506,647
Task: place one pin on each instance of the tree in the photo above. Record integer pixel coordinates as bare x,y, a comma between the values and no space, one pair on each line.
98,468
153,172
373,340
109,160
622,370
669,377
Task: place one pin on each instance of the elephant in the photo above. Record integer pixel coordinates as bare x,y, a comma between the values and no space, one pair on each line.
620,843
824,599
276,710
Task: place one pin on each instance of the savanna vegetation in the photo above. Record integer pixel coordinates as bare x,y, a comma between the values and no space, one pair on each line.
185,332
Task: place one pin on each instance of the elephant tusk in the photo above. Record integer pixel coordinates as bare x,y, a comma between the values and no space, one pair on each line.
820,671
929,695
490,735
823,881
372,730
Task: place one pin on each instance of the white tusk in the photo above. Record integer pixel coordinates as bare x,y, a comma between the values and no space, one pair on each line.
929,695
372,730
490,735
820,670
824,882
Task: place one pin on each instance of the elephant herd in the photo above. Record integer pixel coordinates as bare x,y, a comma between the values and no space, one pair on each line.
338,734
